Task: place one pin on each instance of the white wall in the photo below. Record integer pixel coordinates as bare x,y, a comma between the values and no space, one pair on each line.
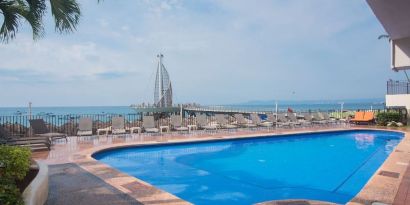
398,100
401,54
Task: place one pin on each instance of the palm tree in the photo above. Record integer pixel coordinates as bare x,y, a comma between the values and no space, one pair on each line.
66,14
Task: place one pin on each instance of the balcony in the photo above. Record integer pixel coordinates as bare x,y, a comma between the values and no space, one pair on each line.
398,94
398,87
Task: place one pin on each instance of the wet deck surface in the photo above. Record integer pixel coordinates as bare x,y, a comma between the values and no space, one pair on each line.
69,184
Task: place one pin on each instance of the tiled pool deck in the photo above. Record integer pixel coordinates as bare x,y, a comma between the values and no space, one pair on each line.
390,184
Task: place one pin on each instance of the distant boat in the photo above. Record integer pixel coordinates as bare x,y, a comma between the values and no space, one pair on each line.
20,112
45,113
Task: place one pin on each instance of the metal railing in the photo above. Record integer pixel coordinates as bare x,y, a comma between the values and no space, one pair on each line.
398,87
20,125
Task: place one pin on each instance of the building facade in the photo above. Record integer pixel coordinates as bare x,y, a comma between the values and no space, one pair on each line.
394,15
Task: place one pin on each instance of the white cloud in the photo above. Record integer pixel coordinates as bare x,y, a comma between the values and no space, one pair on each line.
60,60
218,51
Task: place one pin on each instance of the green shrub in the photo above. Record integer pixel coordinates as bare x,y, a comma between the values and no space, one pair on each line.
14,165
384,117
9,193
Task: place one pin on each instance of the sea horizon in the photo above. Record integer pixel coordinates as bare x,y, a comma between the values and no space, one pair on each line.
303,106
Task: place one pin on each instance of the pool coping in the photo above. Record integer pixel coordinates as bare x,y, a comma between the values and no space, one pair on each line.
381,187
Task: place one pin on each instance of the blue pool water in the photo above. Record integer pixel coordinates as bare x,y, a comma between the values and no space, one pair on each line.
331,166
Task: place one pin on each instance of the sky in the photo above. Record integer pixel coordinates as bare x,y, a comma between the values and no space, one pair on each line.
216,52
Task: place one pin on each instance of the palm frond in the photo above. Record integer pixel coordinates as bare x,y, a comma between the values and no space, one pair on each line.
11,15
37,7
33,12
66,14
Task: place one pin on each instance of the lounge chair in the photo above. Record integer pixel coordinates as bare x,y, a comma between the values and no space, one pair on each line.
293,120
118,125
321,118
358,117
240,119
148,123
176,123
317,119
307,119
257,120
283,121
223,122
105,130
85,127
363,117
132,129
40,129
369,117
271,118
203,123
34,143
327,118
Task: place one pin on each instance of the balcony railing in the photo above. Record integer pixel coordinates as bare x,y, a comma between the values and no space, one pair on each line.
398,87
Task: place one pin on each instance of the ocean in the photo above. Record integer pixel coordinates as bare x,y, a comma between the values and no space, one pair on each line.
9,111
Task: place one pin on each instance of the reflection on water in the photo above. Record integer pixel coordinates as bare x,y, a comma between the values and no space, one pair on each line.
390,145
364,140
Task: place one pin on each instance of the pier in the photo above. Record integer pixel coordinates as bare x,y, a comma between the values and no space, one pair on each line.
224,110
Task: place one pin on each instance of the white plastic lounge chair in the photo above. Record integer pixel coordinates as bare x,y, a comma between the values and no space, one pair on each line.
317,119
148,123
223,122
327,118
293,120
240,119
177,124
40,129
257,120
283,121
105,130
202,123
118,125
271,118
133,129
307,119
85,127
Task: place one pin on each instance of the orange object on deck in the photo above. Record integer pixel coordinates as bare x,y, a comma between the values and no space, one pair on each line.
363,117
368,116
358,116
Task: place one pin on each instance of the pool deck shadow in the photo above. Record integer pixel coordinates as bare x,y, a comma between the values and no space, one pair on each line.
70,184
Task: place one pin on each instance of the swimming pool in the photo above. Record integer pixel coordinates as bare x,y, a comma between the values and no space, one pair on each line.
329,166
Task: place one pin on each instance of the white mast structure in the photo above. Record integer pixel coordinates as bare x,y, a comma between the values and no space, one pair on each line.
163,88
